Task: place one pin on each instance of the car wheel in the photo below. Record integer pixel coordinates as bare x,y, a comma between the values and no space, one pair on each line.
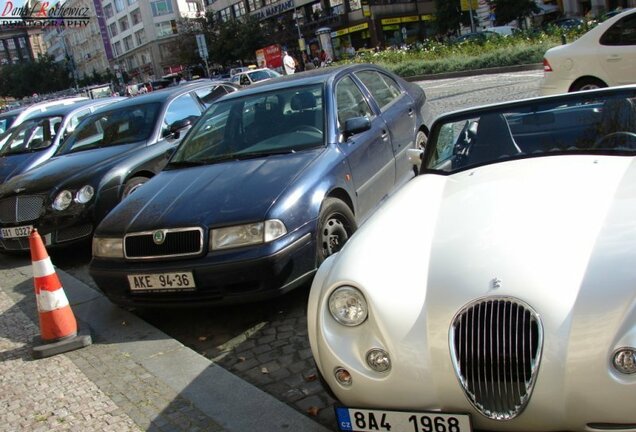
420,140
132,185
336,224
587,84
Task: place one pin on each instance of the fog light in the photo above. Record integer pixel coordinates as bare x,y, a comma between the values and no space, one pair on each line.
625,360
343,376
378,360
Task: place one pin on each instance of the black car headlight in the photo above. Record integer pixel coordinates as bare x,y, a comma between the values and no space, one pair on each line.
64,199
247,234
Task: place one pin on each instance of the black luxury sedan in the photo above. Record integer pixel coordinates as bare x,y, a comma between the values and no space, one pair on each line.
109,155
270,181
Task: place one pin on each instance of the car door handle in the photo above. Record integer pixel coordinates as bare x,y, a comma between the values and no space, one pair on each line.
411,112
385,135
614,58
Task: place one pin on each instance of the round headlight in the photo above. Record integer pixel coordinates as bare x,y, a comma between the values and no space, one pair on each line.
378,360
348,306
625,360
85,194
63,200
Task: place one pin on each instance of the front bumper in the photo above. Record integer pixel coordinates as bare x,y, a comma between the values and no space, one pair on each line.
55,231
217,281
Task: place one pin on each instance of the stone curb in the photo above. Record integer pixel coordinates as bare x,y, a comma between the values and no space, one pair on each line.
472,72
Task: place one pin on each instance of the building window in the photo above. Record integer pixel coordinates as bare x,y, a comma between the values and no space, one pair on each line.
108,10
135,16
225,14
192,6
239,9
117,48
144,58
161,7
11,44
128,43
119,5
123,24
166,28
140,37
253,4
112,29
131,2
268,2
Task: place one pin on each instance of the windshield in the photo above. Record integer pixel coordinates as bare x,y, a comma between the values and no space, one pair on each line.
125,125
32,135
262,124
576,124
6,122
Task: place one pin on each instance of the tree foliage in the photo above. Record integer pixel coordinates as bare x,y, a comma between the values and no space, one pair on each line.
510,10
41,76
449,16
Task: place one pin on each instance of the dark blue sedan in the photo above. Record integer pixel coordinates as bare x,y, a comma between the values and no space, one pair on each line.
268,183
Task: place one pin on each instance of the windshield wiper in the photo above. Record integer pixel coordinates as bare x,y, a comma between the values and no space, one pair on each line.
265,153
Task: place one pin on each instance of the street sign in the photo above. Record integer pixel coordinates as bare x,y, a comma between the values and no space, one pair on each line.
201,45
469,5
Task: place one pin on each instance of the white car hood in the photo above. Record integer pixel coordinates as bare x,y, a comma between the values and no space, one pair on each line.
544,228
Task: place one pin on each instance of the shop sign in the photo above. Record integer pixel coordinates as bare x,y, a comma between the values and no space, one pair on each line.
469,5
390,21
274,9
428,17
358,27
391,27
410,19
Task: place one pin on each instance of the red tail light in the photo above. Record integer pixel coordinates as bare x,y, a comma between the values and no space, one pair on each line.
546,66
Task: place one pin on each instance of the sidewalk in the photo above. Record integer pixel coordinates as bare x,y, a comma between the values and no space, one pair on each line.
132,378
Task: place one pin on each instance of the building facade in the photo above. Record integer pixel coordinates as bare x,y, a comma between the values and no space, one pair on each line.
142,35
20,44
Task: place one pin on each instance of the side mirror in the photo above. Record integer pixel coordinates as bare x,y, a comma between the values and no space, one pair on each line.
356,125
176,127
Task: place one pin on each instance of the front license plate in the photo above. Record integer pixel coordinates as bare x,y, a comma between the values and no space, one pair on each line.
363,420
182,281
14,232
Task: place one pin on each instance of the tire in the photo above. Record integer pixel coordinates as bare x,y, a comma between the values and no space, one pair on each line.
132,185
587,84
420,140
336,224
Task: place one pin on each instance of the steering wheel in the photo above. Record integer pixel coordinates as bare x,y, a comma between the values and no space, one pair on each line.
308,128
619,137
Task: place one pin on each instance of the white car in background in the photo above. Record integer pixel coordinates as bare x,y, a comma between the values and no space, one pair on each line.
604,56
246,78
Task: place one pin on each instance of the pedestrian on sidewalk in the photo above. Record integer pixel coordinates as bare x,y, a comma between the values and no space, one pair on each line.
289,64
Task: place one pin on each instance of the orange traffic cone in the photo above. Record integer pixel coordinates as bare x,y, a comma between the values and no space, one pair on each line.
58,327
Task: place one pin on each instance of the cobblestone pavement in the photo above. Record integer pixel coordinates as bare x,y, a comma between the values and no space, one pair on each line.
273,353
97,388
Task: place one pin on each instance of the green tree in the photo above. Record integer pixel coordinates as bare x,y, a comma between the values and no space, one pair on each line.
510,10
449,17
41,76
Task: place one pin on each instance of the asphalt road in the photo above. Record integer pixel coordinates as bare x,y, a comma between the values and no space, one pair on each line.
266,343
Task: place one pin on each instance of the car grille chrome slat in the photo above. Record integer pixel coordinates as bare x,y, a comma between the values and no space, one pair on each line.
178,242
497,358
21,208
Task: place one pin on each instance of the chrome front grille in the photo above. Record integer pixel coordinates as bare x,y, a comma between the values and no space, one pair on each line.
496,347
21,208
177,242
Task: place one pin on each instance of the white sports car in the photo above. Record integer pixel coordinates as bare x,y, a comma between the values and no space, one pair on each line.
497,289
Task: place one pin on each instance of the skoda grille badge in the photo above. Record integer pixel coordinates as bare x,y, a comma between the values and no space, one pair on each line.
159,237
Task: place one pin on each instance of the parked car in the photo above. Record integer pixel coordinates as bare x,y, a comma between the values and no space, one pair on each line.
564,23
477,37
7,118
249,77
604,56
19,115
495,291
108,156
37,139
271,180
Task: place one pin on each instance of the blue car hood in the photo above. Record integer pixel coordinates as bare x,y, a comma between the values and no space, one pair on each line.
211,195
11,165
72,170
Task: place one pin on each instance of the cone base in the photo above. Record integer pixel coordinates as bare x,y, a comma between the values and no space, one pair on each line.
80,340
